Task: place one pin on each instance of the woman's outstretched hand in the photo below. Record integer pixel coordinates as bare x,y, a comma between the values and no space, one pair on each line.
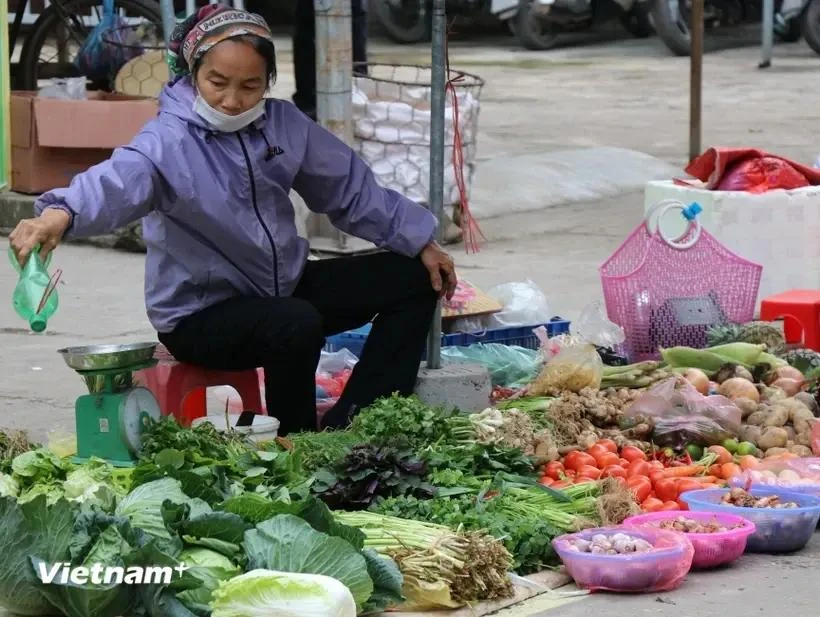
442,270
46,231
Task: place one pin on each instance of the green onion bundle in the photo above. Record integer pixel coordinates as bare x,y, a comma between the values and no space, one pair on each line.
474,565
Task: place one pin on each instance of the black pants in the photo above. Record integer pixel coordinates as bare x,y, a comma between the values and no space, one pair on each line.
285,335
304,50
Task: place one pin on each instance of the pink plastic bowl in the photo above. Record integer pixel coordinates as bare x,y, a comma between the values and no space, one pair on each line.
711,549
661,569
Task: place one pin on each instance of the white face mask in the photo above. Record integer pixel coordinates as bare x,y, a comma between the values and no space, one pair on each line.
223,122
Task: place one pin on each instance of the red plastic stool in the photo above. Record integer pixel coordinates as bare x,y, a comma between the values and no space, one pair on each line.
802,306
180,388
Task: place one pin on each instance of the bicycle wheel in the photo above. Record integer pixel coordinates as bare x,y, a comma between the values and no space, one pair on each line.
59,31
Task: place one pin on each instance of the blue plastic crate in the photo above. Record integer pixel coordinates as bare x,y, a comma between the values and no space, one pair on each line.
521,336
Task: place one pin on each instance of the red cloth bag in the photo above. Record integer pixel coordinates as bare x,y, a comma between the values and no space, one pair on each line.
749,169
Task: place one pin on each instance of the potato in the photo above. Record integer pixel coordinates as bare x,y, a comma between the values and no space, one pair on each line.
751,433
775,452
803,435
793,407
757,418
801,451
773,437
808,400
790,432
778,416
803,415
747,407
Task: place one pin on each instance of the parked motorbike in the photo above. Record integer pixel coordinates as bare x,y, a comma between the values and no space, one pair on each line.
671,19
411,21
537,23
810,23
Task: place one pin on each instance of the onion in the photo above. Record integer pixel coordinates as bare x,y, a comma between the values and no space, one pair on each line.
737,387
698,379
789,372
789,386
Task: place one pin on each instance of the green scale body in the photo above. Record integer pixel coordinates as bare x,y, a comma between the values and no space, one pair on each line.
111,418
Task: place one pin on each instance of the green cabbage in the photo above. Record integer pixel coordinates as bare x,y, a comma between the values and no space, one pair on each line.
286,543
262,593
209,567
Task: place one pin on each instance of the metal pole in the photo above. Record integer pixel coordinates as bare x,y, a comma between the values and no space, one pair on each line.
169,19
695,79
438,80
768,34
334,73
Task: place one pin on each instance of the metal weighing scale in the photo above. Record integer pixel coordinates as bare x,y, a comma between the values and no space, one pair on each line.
110,419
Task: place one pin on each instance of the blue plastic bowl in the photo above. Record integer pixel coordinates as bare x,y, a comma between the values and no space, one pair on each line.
777,530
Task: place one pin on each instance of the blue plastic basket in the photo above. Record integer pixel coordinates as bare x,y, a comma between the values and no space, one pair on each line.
522,336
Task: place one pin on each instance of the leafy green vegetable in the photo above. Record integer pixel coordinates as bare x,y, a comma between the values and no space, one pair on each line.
478,459
210,568
387,582
143,505
13,443
263,593
323,449
407,423
368,472
32,530
288,544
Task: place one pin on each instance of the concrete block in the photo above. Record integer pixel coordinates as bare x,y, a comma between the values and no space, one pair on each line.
465,386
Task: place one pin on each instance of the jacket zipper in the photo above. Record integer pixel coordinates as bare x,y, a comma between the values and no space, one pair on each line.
259,214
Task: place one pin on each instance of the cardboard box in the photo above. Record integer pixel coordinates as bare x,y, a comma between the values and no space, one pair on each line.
52,140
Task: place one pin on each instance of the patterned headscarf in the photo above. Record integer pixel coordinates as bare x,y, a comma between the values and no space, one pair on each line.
208,26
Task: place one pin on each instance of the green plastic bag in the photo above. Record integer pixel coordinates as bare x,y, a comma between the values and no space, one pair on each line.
509,366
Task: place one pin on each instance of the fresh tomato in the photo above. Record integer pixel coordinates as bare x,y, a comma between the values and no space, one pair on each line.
747,461
640,487
651,504
623,463
666,489
606,459
554,470
682,505
668,505
613,471
596,450
569,459
546,481
589,471
638,468
715,470
657,465
581,460
631,453
610,445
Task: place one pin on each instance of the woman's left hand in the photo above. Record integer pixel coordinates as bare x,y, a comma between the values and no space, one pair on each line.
442,269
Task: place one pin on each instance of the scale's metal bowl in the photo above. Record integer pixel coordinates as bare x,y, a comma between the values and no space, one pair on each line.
107,357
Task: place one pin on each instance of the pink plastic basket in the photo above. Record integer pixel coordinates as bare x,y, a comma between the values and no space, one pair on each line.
711,549
666,292
662,569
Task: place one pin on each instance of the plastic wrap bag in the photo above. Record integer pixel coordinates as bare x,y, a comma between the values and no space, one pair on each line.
574,362
333,373
508,365
574,368
71,89
678,415
524,305
100,56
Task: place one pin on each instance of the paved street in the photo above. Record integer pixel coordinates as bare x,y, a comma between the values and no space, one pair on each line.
627,94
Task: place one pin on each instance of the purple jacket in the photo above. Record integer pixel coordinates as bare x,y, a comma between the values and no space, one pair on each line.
218,222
